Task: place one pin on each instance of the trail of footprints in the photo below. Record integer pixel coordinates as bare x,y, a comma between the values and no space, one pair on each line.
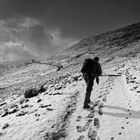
92,123
129,113
127,123
108,87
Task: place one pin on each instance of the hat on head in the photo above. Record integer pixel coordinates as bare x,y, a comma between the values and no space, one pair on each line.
96,58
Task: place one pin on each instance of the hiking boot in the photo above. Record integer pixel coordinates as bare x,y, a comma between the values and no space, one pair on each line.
86,106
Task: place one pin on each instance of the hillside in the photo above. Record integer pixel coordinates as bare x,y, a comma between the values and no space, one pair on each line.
43,100
123,42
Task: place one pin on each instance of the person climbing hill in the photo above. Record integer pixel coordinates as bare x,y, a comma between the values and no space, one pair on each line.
91,70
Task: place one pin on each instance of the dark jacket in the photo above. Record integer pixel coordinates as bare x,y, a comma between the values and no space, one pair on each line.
92,67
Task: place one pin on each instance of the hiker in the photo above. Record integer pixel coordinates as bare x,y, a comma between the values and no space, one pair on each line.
91,70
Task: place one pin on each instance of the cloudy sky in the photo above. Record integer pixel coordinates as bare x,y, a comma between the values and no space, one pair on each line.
39,28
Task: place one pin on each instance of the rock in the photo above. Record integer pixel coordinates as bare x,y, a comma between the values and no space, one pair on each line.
5,113
5,126
4,103
39,100
22,113
25,106
43,106
11,111
57,93
49,109
77,77
14,106
26,100
22,101
58,87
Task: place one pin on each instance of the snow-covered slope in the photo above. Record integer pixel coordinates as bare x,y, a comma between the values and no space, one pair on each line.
56,112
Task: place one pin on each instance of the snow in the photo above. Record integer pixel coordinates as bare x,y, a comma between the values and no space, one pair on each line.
58,112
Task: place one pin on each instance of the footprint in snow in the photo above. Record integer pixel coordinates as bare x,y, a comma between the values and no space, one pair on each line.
104,99
79,129
91,115
79,118
106,90
81,138
130,114
5,126
101,105
120,133
97,103
100,96
92,134
86,126
122,127
100,111
96,122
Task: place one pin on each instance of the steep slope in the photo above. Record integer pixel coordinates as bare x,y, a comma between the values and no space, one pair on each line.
123,42
56,111
111,42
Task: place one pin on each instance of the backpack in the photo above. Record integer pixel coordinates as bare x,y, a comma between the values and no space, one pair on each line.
88,66
91,66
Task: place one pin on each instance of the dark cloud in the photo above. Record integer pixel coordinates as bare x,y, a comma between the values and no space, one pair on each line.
75,18
29,8
80,18
45,26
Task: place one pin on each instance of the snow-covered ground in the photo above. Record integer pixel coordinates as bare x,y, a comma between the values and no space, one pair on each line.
57,113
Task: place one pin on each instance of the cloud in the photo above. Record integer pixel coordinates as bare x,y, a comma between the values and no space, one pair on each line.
27,38
11,51
62,42
16,51
25,8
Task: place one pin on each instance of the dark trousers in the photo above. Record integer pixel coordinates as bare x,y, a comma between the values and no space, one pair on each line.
89,82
